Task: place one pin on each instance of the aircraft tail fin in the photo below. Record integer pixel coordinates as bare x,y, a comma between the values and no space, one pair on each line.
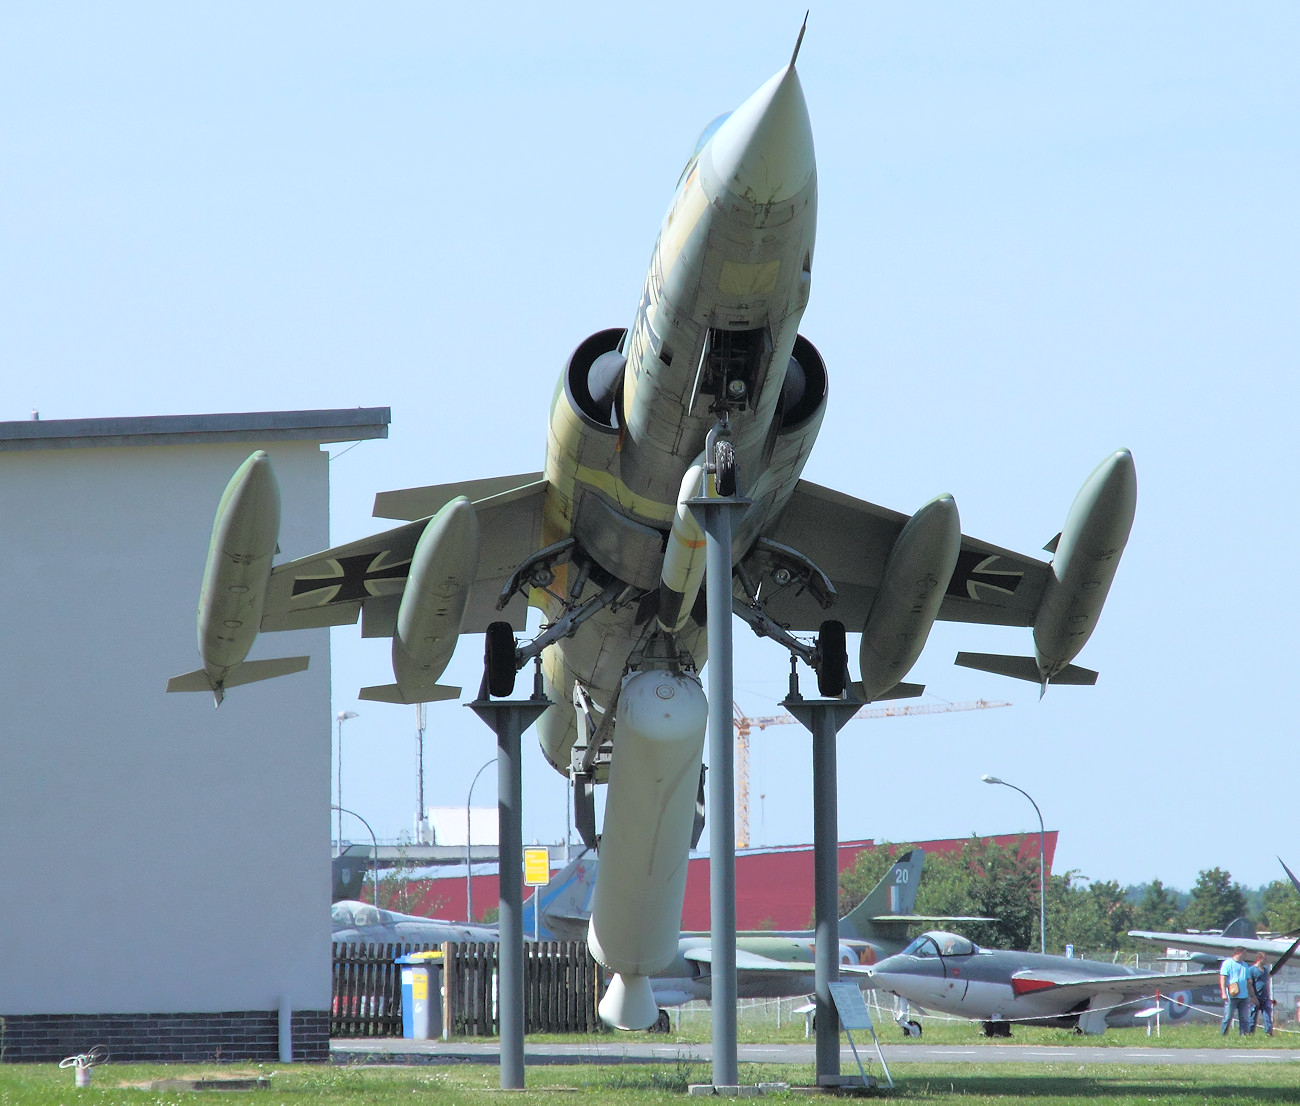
246,672
894,894
1290,874
1024,668
391,693
565,902
1240,927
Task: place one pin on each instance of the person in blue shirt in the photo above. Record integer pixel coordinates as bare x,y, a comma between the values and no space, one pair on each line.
1258,983
1232,986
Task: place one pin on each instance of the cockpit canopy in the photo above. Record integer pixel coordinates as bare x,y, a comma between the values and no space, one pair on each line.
348,914
936,943
703,141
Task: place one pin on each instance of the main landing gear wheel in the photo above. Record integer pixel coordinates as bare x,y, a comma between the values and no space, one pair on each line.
663,1024
996,1029
832,660
499,659
724,465
912,1028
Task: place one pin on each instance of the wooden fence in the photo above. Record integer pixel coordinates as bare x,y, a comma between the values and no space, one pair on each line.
368,990
562,985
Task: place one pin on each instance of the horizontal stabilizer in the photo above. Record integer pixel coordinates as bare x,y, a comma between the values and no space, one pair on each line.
248,672
1024,668
391,693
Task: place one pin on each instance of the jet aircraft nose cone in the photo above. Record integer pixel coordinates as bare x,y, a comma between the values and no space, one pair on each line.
763,153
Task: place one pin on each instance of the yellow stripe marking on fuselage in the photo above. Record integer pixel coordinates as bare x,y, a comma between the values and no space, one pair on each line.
621,494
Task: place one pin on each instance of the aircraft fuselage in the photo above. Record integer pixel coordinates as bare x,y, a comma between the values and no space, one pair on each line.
715,330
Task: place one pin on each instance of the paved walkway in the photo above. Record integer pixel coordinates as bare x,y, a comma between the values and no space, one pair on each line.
398,1051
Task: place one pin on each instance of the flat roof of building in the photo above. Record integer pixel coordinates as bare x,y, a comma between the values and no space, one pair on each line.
352,424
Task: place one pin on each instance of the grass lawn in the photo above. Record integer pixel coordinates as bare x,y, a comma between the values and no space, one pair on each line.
958,1031
472,1085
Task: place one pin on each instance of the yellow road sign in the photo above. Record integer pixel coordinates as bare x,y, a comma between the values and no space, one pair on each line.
537,867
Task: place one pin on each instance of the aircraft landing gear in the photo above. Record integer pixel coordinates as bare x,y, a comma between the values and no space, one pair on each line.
499,666
663,1024
996,1029
910,1028
724,464
832,660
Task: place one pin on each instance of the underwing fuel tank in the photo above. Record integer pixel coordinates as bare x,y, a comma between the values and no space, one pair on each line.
244,536
1087,554
433,606
636,909
917,574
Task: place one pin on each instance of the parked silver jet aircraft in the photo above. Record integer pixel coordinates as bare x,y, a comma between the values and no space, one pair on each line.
1212,948
567,892
948,973
775,965
353,922
712,390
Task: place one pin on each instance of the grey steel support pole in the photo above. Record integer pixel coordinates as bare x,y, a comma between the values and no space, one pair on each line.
825,717
717,516
508,719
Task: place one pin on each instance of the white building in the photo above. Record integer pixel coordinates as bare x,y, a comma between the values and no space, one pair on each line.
146,887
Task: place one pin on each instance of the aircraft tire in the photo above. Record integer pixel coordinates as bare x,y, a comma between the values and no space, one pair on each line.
833,662
724,460
499,658
663,1023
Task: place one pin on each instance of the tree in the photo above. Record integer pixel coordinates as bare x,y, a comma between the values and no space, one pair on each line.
1280,907
1215,901
980,879
1158,909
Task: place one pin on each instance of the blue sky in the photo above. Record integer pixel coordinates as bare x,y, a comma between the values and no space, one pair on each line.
1045,232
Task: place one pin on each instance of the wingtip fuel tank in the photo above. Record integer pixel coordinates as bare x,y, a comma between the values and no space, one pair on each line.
1086,554
244,536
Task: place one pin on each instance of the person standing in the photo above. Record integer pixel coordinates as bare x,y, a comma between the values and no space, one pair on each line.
1259,984
1232,987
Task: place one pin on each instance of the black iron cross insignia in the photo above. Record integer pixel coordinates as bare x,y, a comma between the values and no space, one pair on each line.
975,570
354,577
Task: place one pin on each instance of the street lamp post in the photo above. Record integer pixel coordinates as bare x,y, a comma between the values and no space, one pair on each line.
1042,879
374,847
469,875
341,717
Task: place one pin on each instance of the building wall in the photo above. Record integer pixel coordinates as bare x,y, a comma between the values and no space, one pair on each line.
146,833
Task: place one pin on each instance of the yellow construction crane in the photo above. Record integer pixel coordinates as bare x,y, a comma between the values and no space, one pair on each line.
744,724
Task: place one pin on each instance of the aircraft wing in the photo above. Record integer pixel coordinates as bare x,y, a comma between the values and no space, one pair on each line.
752,961
365,578
850,539
930,918
1212,944
1031,981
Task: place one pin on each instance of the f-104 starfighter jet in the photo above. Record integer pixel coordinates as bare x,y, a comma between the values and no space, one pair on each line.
711,390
